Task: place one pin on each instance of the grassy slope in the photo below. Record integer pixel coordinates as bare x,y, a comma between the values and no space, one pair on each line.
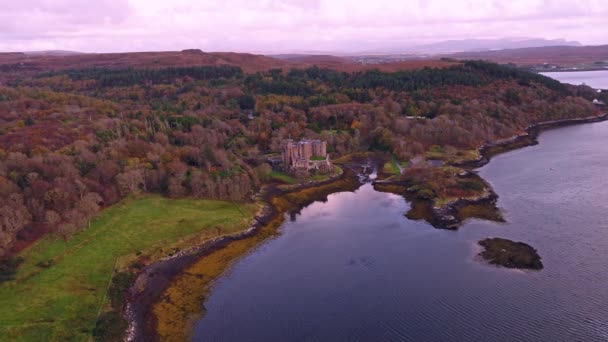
62,302
391,167
282,177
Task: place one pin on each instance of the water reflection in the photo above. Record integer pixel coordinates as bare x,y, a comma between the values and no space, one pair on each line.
354,268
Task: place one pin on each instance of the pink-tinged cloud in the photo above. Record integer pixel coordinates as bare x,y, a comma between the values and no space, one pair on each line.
283,26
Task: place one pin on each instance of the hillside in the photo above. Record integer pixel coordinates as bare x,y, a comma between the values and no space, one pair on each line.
15,64
45,62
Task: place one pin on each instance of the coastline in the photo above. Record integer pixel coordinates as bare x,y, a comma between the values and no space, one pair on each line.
156,279
529,138
153,279
152,283
452,214
445,213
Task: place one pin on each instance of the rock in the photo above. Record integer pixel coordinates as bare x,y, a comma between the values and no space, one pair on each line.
510,254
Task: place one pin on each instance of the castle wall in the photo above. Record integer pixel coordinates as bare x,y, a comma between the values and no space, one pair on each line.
297,155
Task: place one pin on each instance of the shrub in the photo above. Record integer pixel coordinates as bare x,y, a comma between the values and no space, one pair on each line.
45,264
120,283
8,268
471,185
512,97
425,193
247,102
436,149
110,326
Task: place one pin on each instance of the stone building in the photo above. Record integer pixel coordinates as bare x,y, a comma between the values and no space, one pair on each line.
306,155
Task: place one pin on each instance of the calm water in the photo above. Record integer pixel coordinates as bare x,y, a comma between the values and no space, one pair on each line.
355,269
594,79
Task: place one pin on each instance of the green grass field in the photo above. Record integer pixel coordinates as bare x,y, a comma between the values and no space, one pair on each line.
282,177
391,167
62,302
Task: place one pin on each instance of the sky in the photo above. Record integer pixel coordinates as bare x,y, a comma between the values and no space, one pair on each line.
275,26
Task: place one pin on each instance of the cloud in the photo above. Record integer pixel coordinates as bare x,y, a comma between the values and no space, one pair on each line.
281,25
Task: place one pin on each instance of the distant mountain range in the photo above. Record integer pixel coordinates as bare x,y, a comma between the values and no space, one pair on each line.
53,53
566,56
398,48
437,48
478,45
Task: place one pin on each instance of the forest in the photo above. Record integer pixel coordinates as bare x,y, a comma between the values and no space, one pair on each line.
73,142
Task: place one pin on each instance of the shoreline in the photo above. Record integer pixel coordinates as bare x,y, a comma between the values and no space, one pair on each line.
583,69
529,138
450,215
155,279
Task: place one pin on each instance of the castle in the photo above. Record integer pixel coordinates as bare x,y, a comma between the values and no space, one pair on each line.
306,155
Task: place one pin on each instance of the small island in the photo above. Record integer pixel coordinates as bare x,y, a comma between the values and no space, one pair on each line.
510,254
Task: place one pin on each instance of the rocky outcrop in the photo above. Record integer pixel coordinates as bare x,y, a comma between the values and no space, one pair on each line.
449,215
511,254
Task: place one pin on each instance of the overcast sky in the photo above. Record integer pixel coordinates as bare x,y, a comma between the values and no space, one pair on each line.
287,25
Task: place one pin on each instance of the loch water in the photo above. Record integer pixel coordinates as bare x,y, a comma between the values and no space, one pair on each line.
355,268
597,79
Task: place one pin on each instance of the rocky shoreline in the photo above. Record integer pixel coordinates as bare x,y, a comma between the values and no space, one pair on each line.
448,215
529,138
155,279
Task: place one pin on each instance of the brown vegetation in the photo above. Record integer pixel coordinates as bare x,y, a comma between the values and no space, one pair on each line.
38,63
18,63
73,141
510,254
349,65
443,196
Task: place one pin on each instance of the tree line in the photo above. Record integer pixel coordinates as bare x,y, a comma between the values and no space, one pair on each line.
73,142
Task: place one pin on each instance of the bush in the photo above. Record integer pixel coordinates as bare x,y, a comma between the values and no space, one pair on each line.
471,185
8,268
247,102
45,264
436,149
512,97
422,191
425,194
138,265
120,283
110,326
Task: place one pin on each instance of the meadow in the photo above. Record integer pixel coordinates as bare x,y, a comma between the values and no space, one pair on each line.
60,289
